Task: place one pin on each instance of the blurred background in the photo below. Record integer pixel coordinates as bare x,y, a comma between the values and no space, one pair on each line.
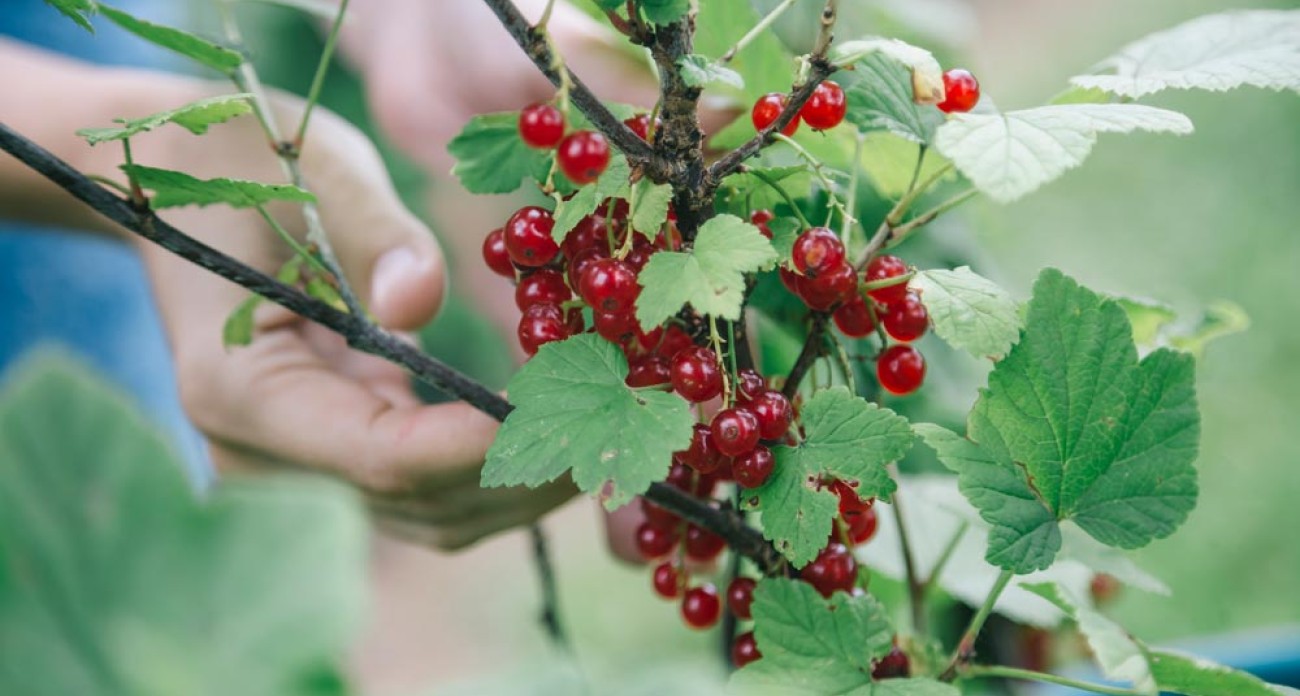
1184,220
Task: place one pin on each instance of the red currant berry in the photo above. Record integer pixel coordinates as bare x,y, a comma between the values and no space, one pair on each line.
816,251
541,287
640,124
839,284
735,431
833,569
702,545
760,218
740,595
906,319
528,237
773,412
701,607
854,318
962,91
862,526
667,580
590,233
753,468
891,666
883,268
541,126
674,341
900,369
655,542
791,280
767,108
573,321
826,107
541,324
850,502
657,516
579,263
650,371
1103,588
609,286
696,375
639,256
744,650
749,384
583,156
495,255
618,328
702,455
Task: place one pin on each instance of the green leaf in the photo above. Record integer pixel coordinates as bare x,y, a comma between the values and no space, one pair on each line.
78,11
664,11
699,71
651,210
1120,657
585,201
784,232
765,63
710,277
1218,52
1072,426
1011,154
322,9
1079,95
610,4
173,189
565,397
217,57
1221,319
238,329
490,156
1194,676
924,74
882,100
1147,317
890,161
969,311
846,437
194,117
115,578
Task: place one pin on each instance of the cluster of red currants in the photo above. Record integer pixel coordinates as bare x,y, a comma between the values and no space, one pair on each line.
582,155
825,109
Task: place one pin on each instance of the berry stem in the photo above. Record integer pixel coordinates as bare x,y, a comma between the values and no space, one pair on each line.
812,350
900,233
833,202
966,646
885,232
944,557
772,183
985,671
322,69
749,36
915,586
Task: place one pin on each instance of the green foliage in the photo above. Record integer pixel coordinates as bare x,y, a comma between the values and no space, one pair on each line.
566,399
664,11
882,99
1120,656
969,311
709,277
1193,676
195,117
78,11
205,52
699,71
585,201
650,206
490,156
238,329
846,437
1073,426
116,579
174,189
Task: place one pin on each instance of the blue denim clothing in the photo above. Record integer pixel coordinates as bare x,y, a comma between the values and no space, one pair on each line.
87,295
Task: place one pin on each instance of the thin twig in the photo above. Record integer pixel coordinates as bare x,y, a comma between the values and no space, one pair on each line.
901,232
775,186
944,556
755,30
981,671
915,587
966,646
812,350
322,68
546,577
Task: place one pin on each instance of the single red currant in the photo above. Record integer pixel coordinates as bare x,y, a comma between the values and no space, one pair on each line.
696,374
839,284
1103,588
640,124
735,431
609,286
773,412
495,255
617,328
655,542
749,384
740,595
541,126
591,232
579,263
744,650
583,156
674,341
817,251
906,319
541,287
753,468
702,545
639,256
883,268
833,569
826,107
528,237
862,526
541,324
962,91
760,218
667,580
702,455
900,369
891,666
854,318
650,371
767,108
657,516
850,502
701,607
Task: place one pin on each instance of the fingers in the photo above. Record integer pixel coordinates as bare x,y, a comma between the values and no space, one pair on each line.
498,510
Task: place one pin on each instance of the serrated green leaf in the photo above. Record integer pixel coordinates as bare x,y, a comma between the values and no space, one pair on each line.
569,213
1073,427
1011,154
709,277
969,311
195,117
883,100
1120,657
784,232
699,71
1194,676
490,156
78,11
765,63
238,329
1217,52
173,189
664,11
651,207
1221,319
1079,95
924,74
214,56
565,397
846,437
1147,317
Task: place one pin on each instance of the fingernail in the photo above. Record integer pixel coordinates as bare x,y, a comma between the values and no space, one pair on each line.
391,271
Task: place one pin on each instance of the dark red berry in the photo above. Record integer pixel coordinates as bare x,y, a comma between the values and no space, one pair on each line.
541,125
639,256
696,374
839,284
833,569
583,156
649,371
891,666
906,319
753,468
735,431
658,516
962,91
883,268
528,237
826,107
850,502
667,580
854,318
495,254
541,324
773,412
744,650
702,545
760,218
817,251
674,341
701,607
541,287
900,369
1103,588
702,455
862,526
578,264
618,328
740,595
591,232
573,320
767,108
749,384
640,124
609,286
655,542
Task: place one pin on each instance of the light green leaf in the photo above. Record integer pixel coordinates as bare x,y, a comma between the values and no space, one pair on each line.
586,200
890,161
883,100
1011,154
1120,657
699,71
1079,95
709,277
1147,317
115,578
217,57
1218,52
1194,676
1221,319
1072,426
925,75
969,311
78,11
765,63
846,437
651,207
664,11
194,117
784,232
743,192
238,329
565,397
173,189
490,156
